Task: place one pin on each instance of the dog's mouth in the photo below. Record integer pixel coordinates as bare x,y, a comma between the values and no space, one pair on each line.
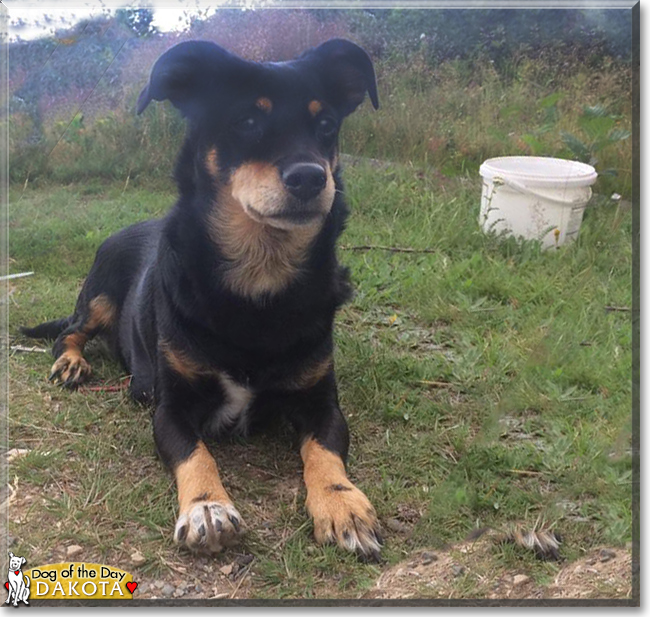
288,217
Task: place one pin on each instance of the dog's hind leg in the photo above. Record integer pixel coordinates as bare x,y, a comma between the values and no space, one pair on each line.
70,368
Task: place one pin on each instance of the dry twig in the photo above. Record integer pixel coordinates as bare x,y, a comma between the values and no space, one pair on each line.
392,249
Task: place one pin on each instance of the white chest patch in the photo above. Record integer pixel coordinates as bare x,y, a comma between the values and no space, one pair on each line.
232,414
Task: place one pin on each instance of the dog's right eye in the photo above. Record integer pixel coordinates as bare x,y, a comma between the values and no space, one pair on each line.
246,124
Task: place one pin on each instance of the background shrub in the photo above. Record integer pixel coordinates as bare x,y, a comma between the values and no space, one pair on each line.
456,87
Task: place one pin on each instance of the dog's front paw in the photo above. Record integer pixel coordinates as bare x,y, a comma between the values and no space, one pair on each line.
70,370
343,515
208,527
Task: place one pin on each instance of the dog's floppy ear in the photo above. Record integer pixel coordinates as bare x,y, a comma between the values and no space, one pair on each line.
23,561
11,554
183,71
347,71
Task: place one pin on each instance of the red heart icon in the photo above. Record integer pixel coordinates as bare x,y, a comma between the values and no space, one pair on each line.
16,572
131,586
7,584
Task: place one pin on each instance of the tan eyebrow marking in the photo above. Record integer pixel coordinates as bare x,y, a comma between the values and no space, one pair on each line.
264,104
315,107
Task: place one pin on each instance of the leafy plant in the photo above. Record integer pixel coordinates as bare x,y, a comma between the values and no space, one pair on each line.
600,130
597,130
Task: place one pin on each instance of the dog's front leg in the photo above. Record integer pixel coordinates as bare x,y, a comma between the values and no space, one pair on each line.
20,588
207,519
342,514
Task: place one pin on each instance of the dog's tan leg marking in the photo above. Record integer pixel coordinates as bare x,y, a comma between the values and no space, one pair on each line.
70,367
207,520
198,477
311,375
342,513
101,314
182,364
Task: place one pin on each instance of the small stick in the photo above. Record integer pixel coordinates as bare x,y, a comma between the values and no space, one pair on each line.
15,276
526,472
622,309
241,580
29,349
178,569
24,187
103,388
47,428
393,249
436,384
123,385
291,535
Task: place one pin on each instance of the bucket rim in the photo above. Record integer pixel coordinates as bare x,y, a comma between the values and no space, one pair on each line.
530,171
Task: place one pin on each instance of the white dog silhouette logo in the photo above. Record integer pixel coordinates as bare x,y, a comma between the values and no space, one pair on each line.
18,583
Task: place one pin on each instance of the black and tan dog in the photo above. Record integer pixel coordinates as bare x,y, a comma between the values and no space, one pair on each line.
222,311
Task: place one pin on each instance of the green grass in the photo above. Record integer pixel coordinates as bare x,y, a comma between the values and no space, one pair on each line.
485,383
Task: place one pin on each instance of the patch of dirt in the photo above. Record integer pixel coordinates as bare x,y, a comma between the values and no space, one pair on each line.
602,571
472,570
199,578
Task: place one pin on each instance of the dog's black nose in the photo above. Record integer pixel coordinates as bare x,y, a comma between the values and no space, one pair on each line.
304,180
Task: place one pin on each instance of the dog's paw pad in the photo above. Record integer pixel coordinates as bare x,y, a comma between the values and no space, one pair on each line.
70,370
208,527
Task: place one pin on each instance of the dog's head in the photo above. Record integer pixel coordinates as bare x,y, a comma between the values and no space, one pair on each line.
267,134
15,563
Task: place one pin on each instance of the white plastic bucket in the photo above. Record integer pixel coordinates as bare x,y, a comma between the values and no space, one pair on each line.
535,197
